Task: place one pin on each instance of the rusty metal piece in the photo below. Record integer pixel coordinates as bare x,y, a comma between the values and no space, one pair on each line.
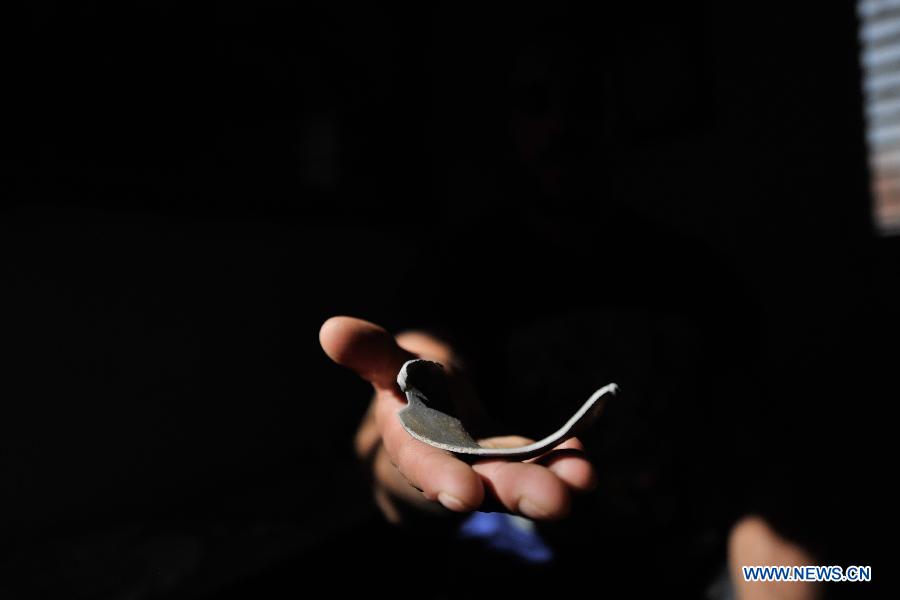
424,383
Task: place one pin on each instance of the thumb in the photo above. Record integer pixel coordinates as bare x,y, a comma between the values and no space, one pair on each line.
365,348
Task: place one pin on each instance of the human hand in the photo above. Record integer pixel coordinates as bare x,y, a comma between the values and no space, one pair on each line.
420,475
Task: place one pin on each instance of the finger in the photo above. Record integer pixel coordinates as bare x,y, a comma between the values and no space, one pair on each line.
437,473
526,488
390,480
365,348
505,441
568,462
440,476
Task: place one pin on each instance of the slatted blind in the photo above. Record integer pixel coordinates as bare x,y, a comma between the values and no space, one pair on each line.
880,38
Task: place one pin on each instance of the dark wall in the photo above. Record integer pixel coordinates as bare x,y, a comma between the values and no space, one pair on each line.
190,191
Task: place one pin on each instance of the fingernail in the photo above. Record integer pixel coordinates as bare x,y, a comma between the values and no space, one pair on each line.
530,509
452,502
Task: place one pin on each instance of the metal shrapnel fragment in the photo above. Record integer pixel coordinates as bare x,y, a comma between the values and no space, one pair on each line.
424,383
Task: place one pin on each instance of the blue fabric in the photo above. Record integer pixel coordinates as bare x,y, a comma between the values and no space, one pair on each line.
507,534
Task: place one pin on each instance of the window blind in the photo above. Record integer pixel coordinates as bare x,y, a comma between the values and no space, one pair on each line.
880,42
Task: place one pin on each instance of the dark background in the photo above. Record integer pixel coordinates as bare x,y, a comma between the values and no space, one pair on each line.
190,191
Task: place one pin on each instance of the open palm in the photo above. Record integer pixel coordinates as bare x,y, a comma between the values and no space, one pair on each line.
423,476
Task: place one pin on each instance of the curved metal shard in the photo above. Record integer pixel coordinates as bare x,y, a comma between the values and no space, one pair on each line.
422,380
